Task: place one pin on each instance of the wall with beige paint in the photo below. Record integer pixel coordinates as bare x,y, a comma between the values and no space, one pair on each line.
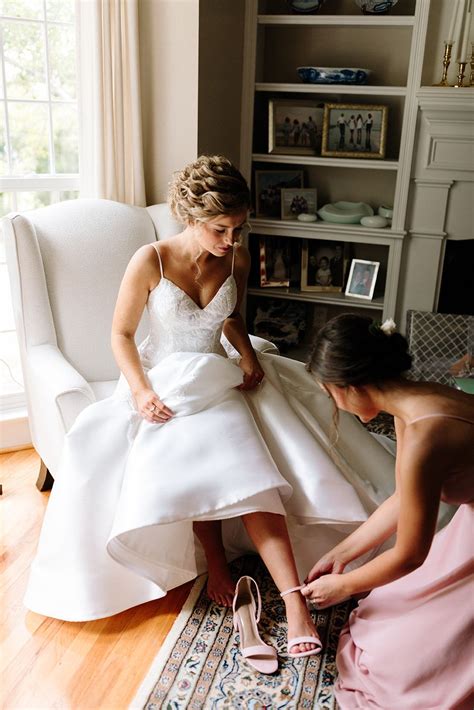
169,42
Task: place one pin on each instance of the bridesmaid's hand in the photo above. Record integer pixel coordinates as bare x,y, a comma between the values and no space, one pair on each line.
150,407
331,563
253,373
327,591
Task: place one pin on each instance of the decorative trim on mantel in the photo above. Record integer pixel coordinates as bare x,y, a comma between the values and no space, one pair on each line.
439,236
445,99
423,182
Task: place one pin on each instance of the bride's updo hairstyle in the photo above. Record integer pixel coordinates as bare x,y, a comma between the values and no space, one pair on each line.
353,350
207,188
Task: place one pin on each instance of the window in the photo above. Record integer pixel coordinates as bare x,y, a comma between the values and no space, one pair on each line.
38,133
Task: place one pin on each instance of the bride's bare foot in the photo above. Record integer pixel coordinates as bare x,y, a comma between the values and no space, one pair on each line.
220,587
299,622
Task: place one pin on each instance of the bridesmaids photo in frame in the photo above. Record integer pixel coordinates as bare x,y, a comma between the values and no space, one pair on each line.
354,131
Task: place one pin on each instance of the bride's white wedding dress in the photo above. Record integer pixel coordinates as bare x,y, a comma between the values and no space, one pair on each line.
118,527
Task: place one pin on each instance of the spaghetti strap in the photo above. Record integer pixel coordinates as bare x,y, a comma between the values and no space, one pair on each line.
447,416
159,259
233,260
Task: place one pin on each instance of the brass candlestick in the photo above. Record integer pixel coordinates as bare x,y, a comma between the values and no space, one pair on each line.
460,79
448,46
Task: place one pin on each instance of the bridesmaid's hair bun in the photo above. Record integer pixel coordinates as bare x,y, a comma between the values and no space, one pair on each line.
207,188
353,350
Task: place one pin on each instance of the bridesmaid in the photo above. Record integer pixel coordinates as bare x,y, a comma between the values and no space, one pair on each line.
409,643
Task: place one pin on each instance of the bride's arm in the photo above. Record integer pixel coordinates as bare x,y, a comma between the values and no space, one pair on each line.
139,278
234,327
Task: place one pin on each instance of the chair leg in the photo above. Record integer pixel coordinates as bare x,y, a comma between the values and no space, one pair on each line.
45,480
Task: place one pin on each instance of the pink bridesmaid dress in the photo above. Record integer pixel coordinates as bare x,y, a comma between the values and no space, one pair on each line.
410,643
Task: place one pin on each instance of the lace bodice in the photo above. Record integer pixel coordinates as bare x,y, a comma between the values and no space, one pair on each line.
178,324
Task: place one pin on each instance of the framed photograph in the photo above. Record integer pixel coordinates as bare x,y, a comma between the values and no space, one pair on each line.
268,187
354,131
295,127
362,278
323,265
275,261
295,202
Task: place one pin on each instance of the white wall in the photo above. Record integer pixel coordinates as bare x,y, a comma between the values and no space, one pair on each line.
169,54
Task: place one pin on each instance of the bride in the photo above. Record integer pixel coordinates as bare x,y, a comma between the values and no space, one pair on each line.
205,451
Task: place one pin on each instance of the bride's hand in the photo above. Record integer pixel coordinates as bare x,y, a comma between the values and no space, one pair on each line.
253,373
150,407
331,563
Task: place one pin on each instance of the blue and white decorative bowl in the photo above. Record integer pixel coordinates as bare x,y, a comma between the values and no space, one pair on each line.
375,7
333,75
305,7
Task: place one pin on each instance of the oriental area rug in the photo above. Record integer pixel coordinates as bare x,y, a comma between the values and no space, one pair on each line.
200,666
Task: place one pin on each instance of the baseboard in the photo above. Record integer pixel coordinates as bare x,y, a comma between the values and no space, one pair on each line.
14,431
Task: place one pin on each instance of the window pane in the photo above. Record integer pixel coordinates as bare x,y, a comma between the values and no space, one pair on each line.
6,313
65,138
29,138
60,10
31,9
32,200
6,206
11,378
68,195
62,62
4,170
25,69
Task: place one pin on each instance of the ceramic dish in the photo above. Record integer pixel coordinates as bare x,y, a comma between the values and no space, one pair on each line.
375,7
333,75
345,212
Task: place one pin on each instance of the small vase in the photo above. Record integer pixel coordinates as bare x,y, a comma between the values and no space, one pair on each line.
305,7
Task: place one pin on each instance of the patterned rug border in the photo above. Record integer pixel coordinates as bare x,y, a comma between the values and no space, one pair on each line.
159,662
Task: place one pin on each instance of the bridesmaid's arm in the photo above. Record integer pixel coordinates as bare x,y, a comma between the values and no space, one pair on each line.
423,467
234,327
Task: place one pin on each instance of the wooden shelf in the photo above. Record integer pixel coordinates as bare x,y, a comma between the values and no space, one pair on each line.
337,20
356,163
335,299
355,89
325,230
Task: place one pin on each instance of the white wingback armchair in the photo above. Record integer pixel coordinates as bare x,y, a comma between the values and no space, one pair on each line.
66,262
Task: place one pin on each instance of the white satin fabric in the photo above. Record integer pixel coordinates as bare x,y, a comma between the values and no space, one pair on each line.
118,527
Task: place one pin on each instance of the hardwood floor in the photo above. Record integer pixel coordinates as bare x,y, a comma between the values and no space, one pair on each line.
46,663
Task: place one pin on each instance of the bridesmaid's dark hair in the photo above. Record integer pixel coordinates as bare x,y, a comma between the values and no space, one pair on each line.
354,350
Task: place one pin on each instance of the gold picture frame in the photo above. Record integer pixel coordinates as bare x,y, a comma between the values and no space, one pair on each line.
323,265
354,131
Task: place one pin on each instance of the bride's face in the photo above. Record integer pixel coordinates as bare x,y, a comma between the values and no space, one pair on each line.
356,400
219,235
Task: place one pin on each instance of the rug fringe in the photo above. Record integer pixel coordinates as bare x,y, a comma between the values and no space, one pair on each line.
148,683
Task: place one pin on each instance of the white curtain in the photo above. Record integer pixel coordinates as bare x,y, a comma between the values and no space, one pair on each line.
110,130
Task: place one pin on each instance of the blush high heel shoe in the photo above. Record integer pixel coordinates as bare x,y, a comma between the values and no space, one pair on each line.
246,617
302,639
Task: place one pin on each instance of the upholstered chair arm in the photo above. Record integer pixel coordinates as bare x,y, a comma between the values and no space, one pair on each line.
56,381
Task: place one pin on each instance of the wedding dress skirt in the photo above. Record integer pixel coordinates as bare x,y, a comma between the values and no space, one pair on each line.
118,527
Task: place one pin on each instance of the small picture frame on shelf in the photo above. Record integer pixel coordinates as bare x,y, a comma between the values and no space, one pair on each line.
295,127
362,278
275,261
323,265
296,201
354,130
268,187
